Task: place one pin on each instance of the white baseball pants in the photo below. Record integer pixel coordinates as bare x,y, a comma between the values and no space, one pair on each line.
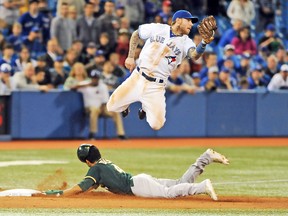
150,94
148,186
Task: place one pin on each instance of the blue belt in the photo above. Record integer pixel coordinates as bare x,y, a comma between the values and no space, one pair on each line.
151,79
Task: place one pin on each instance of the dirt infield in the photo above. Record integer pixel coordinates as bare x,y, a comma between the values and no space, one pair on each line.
108,200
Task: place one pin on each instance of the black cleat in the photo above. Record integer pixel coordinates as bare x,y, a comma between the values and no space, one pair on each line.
122,137
141,114
125,112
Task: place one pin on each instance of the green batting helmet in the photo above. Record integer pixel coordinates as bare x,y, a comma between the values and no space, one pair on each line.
88,152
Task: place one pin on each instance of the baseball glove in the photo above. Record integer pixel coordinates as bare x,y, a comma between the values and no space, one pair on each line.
207,28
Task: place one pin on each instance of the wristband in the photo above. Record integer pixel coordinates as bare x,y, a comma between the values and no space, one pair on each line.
54,192
201,48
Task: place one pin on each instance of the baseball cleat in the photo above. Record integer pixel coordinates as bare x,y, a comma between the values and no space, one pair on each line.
217,157
141,114
210,190
125,112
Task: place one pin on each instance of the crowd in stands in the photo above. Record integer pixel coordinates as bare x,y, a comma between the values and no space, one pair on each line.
49,44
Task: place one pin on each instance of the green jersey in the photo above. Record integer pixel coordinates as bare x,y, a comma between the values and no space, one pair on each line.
108,175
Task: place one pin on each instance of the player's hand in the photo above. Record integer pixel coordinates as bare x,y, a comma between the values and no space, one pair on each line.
130,64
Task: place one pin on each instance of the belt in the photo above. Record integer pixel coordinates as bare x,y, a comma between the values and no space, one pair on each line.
151,79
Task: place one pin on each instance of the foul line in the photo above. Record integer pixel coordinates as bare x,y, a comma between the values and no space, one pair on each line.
245,182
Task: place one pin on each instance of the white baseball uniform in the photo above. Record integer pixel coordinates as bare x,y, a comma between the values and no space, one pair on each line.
161,54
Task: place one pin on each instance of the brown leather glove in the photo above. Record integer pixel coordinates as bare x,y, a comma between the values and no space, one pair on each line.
207,28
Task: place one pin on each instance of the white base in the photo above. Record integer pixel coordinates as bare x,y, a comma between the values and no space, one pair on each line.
19,192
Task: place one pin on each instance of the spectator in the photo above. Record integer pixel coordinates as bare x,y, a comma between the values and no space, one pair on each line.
270,41
77,77
256,79
229,53
123,46
118,71
8,55
97,9
28,80
225,80
134,11
87,26
279,80
59,75
2,43
97,63
108,77
245,63
78,47
281,55
197,82
242,10
90,53
9,11
42,68
243,83
166,11
6,81
185,71
23,59
78,4
95,96
109,23
52,52
125,25
46,20
211,60
70,59
210,81
266,13
63,29
271,69
33,43
16,38
244,43
120,11
105,45
31,19
230,33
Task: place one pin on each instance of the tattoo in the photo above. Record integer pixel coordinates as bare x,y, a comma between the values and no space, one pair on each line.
193,54
134,41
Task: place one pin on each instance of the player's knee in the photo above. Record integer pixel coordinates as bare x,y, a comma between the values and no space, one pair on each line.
157,125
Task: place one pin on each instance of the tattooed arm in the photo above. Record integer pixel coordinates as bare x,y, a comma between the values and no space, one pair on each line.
134,41
195,53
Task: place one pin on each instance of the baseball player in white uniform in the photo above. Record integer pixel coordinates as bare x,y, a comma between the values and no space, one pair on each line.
164,49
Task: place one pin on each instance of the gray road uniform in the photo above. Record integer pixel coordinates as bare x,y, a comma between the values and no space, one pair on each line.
106,174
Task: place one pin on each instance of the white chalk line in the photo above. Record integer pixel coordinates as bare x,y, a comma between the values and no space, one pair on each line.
30,162
251,182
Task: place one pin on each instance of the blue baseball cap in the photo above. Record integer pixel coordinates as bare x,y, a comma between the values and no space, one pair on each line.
195,75
184,14
5,68
99,53
270,27
225,70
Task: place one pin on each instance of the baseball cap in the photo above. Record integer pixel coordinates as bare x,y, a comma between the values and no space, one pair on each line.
120,6
229,47
225,70
184,14
95,74
270,27
195,75
5,68
167,3
284,67
213,69
256,68
99,53
91,45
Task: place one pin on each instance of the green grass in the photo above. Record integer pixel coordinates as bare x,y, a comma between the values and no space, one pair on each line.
254,171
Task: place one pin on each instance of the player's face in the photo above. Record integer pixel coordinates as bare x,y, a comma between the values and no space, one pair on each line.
186,26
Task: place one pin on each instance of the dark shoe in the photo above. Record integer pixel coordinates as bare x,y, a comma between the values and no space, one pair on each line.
141,114
122,137
125,112
91,136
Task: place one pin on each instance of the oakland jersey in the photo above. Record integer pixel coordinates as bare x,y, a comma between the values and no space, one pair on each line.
109,176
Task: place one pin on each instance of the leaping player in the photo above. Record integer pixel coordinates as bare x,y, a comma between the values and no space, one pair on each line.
164,49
